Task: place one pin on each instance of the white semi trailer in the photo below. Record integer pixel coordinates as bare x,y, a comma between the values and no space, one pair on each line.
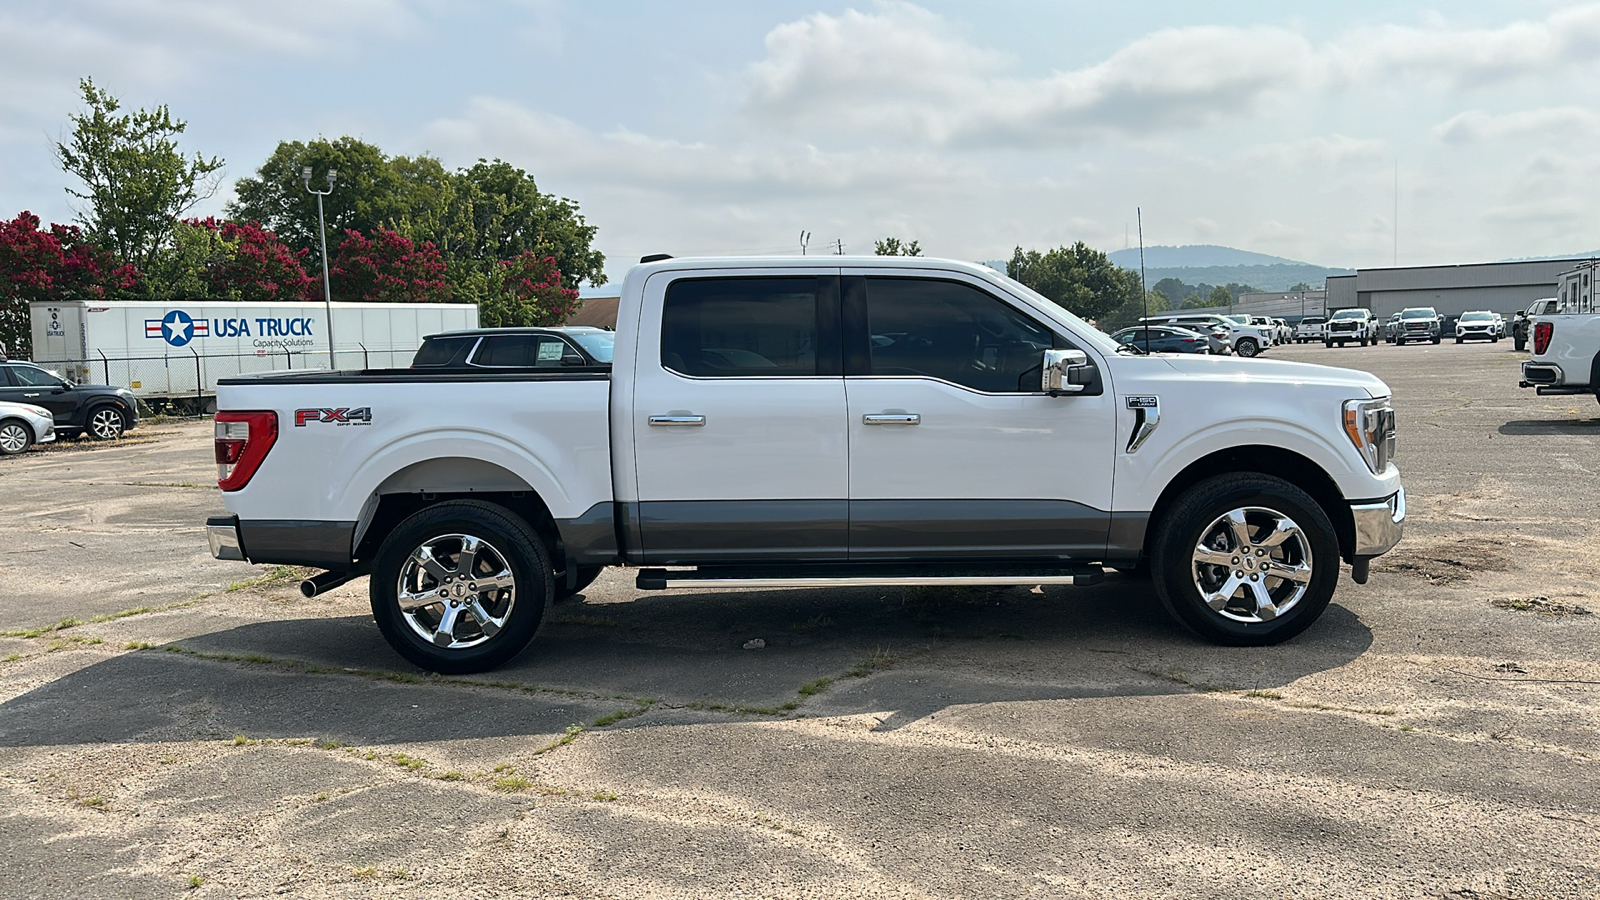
175,351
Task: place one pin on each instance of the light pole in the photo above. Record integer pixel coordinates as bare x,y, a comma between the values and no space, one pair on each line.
322,232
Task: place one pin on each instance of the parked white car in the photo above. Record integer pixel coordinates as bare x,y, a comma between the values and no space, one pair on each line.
1477,325
22,425
1355,325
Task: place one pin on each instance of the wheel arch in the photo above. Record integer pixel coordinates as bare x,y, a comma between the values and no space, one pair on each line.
1292,467
433,481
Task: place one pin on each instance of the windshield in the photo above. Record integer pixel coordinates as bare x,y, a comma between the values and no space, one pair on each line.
1417,314
1085,331
1477,317
1312,320
1344,315
1238,320
599,343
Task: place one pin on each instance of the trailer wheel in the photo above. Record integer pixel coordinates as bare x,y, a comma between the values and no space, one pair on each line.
461,586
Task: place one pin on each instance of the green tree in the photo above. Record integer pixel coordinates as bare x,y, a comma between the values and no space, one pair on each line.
136,183
1132,310
891,246
1193,301
1302,286
1077,278
367,194
1220,296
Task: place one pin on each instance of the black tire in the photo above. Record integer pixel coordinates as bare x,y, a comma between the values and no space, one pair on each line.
511,543
586,577
1521,344
15,437
1247,348
1328,344
105,423
1494,340
1436,340
1399,342
1458,340
1194,516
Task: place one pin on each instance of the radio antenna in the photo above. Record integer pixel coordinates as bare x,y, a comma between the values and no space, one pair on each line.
1144,293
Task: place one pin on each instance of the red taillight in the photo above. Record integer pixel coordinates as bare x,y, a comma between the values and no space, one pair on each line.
242,442
1542,333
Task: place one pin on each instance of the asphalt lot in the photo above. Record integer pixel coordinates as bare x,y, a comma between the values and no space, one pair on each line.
1436,734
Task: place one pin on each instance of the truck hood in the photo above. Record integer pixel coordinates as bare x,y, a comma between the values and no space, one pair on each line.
1273,371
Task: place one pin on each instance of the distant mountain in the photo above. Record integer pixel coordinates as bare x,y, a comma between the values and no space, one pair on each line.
1194,256
1279,277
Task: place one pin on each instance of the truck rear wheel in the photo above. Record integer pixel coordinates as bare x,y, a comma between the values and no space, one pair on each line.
1245,559
461,587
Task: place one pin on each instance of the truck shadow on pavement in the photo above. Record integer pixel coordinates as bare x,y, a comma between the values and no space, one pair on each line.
1551,426
898,655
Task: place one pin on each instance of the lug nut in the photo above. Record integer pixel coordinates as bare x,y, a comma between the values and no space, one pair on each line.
1236,560
1238,574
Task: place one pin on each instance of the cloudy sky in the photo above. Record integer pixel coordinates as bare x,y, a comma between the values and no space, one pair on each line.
729,126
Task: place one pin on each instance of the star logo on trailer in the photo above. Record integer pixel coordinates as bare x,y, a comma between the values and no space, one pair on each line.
176,328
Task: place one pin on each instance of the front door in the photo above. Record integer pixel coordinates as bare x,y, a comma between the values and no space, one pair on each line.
31,384
954,450
738,419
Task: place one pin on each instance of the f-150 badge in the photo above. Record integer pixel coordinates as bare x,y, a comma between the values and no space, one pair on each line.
361,415
1147,410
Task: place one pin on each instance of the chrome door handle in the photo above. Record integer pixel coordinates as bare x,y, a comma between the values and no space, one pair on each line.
678,420
30,395
891,419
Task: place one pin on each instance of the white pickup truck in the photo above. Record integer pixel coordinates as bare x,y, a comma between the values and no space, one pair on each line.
814,422
1566,355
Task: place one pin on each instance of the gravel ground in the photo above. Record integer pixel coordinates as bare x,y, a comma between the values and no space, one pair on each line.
1434,735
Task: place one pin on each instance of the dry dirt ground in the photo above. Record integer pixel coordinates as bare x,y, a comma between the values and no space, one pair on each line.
171,725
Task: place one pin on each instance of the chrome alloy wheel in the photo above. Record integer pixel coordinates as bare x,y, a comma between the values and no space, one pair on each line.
105,424
1252,564
14,437
456,591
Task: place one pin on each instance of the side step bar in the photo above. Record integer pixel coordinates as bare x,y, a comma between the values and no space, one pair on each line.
864,576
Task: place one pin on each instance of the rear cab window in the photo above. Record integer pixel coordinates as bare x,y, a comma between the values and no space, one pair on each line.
439,351
751,327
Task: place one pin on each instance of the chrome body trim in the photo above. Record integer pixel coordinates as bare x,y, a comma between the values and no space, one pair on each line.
224,541
1543,374
690,421
1379,525
892,419
866,581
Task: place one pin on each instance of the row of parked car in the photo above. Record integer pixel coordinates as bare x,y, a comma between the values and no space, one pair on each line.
1243,335
38,405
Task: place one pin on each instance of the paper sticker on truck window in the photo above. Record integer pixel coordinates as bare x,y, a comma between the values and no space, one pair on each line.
344,416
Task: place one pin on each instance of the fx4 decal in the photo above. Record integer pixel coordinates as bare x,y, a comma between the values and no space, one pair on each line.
359,416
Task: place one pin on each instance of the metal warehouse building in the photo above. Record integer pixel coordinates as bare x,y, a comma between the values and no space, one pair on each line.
1452,290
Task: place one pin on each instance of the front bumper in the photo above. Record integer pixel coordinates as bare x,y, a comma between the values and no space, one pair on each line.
1379,524
222,533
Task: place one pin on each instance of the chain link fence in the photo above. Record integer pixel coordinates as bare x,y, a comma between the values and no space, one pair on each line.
185,383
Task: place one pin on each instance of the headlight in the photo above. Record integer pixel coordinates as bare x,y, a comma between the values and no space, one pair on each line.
1370,426
39,411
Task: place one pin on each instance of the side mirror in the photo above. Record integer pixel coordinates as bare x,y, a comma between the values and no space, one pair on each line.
1065,372
572,360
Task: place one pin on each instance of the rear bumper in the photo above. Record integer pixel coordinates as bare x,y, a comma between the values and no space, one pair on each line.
323,545
1379,524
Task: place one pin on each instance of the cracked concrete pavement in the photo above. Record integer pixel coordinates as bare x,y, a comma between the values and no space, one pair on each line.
1434,735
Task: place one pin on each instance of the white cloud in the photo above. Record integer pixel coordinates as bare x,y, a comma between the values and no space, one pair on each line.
1554,123
1318,151
902,72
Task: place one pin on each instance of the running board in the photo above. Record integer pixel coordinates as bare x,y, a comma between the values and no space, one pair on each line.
864,576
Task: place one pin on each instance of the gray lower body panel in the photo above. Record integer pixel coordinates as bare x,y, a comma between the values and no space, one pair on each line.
591,539
694,532
293,542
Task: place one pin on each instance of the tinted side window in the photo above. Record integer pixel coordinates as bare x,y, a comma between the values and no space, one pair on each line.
954,332
524,350
5,376
439,351
744,327
28,376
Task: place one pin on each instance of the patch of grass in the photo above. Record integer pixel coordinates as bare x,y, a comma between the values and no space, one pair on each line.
137,645
240,740
195,881
815,686
604,796
881,659
297,742
451,776
812,624
329,745
366,872
64,624
278,573
568,737
505,769
13,657
1543,606
95,802
408,762
400,875
512,784
1262,695
319,797
639,707
75,640
585,621
74,621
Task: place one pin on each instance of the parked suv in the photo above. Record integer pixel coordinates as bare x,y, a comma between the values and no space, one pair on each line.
516,348
1478,325
104,412
1348,325
1419,323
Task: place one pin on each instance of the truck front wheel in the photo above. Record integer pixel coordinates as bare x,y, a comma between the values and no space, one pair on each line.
1245,559
461,587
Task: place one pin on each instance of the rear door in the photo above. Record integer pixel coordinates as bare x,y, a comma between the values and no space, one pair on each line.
954,451
31,384
738,419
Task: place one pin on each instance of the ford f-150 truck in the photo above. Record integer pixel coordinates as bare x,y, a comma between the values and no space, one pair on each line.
814,422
